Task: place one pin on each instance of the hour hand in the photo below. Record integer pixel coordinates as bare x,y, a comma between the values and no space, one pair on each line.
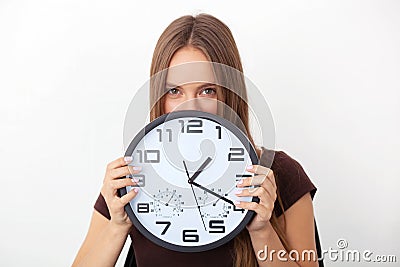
197,173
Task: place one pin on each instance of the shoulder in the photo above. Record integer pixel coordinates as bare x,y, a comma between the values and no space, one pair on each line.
291,179
101,206
280,162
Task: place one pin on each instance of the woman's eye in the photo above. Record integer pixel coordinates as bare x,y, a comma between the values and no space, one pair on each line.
209,91
173,91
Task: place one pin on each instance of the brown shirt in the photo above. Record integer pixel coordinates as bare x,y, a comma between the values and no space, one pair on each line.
292,182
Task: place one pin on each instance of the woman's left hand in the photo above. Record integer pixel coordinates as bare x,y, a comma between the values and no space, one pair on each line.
265,190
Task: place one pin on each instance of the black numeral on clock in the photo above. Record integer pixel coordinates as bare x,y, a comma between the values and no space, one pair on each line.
149,156
190,236
140,177
143,207
216,226
167,225
241,176
219,131
236,154
160,135
237,209
192,126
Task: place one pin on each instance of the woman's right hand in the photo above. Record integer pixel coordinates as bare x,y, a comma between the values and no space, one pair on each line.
112,182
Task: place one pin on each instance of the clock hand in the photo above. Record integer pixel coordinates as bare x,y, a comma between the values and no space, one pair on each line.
198,207
187,173
201,168
213,193
195,198
166,204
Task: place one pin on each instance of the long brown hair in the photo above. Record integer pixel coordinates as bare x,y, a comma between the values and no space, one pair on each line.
215,40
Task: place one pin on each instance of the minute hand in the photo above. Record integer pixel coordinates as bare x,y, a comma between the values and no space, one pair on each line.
212,192
201,168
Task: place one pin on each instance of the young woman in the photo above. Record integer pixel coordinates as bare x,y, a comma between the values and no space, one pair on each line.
284,217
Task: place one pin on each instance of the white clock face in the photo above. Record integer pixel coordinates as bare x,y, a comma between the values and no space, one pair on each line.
191,162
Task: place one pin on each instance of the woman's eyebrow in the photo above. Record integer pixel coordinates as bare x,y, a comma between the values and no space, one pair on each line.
206,84
170,85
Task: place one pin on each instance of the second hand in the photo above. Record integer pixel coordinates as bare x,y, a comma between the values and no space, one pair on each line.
198,207
195,198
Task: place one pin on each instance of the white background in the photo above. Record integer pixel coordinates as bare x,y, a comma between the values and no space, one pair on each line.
68,70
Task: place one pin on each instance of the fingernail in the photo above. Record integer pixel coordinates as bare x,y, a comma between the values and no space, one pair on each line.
135,180
236,202
249,167
128,159
135,189
136,168
240,181
238,192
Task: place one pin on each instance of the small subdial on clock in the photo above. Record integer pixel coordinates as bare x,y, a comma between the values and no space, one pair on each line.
202,198
168,203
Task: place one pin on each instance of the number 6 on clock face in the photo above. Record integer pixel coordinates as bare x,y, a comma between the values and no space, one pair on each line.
191,162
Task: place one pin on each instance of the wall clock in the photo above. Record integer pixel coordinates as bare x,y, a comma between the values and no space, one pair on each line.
191,162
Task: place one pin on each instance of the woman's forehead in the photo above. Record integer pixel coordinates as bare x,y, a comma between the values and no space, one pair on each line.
191,72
